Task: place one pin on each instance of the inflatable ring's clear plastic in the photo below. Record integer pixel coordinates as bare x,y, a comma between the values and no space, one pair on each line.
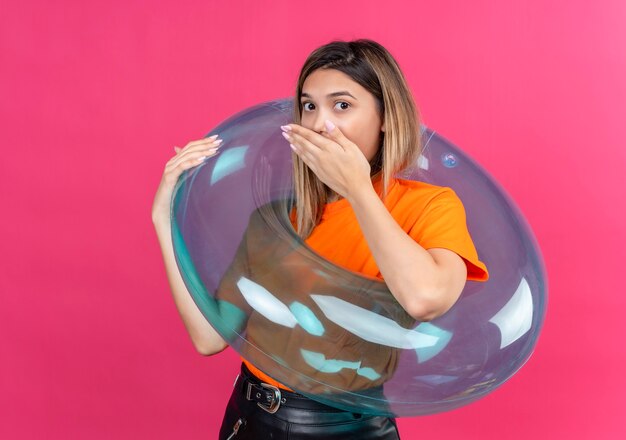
338,336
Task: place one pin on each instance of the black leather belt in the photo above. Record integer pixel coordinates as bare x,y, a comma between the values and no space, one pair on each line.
244,419
270,398
266,396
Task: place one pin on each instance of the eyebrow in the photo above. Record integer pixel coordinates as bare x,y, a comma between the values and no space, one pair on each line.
332,95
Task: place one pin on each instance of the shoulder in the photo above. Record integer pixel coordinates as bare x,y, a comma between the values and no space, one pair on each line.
412,203
424,194
424,187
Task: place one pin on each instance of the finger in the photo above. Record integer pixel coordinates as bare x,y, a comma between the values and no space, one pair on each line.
311,136
201,141
182,153
335,134
303,145
309,160
191,156
172,174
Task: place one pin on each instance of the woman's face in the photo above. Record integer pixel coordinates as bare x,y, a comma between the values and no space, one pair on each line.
331,94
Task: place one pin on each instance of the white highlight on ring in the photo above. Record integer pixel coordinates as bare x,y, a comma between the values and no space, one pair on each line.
371,326
261,300
515,318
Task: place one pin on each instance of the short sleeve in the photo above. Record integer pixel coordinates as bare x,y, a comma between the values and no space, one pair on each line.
442,224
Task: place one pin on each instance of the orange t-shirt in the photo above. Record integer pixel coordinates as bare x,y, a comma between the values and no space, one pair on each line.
432,215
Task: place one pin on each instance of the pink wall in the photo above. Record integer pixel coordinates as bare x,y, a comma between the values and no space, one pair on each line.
93,97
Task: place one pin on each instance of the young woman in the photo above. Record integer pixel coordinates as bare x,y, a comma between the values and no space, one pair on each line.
355,127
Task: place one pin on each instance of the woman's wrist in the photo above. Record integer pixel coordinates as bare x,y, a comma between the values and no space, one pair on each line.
361,193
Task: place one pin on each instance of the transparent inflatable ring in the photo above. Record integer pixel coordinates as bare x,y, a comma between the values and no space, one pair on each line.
338,336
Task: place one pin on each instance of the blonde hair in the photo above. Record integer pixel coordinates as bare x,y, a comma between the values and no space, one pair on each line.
370,65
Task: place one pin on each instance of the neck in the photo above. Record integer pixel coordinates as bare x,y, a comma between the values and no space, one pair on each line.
333,198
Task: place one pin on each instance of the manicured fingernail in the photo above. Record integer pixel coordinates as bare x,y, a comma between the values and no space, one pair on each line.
219,141
329,125
285,128
285,135
213,137
292,147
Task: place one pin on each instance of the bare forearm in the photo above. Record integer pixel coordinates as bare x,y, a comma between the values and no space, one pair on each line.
410,272
204,337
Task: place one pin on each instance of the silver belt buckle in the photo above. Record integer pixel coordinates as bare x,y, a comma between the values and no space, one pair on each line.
274,404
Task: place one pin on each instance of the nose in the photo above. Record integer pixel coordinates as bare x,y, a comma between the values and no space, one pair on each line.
319,121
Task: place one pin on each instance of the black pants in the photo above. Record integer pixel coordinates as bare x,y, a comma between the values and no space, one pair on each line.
297,418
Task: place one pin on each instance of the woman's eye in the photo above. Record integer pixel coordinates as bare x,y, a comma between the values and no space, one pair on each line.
344,105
